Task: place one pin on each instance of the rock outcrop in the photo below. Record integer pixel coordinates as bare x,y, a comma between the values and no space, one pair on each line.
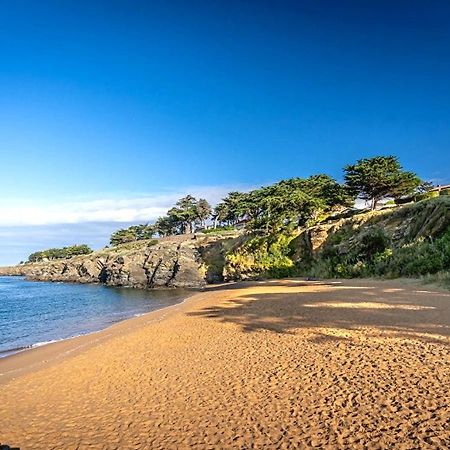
179,261
424,220
194,260
348,244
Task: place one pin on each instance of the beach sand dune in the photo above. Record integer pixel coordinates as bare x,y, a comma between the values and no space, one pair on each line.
282,364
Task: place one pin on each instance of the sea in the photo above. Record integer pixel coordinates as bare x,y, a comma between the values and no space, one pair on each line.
35,313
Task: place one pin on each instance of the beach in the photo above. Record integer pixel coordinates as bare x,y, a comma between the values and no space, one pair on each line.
273,364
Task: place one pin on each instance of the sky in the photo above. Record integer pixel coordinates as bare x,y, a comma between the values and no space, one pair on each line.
111,110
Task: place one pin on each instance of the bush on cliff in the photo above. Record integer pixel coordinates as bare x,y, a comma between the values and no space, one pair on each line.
60,253
261,256
132,234
376,258
219,230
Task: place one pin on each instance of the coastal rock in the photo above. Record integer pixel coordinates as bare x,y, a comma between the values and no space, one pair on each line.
194,260
424,220
170,262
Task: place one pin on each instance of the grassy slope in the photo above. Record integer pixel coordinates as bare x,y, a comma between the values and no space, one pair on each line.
410,241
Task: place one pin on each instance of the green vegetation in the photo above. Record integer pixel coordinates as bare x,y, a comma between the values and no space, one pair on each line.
132,234
440,278
308,227
380,177
286,205
184,217
224,229
412,241
60,253
261,256
376,257
408,242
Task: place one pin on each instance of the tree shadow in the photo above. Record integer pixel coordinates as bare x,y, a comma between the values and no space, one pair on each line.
291,282
404,312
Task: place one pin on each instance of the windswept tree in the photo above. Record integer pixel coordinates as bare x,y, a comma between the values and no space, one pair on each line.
203,210
60,253
184,213
132,234
289,203
166,226
376,178
233,208
184,216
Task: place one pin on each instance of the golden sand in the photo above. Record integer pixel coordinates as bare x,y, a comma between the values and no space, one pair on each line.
285,364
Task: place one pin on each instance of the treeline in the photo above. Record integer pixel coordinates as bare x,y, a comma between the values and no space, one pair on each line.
185,217
287,204
60,253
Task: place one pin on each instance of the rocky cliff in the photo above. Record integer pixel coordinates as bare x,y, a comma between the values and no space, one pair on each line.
179,261
428,219
412,240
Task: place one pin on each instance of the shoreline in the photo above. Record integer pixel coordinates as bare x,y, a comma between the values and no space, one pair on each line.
274,364
38,357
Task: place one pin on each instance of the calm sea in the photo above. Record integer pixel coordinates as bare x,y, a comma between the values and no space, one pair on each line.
35,313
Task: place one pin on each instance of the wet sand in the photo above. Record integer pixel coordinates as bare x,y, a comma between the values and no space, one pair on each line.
281,364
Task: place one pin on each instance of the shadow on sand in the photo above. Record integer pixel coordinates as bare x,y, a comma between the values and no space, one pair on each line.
406,312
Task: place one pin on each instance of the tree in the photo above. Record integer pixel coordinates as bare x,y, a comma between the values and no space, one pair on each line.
375,178
289,203
185,212
132,234
59,253
166,226
122,236
204,210
234,207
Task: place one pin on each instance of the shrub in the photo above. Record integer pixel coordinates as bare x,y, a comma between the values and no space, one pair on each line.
266,256
373,242
132,234
218,230
403,201
60,253
426,196
425,256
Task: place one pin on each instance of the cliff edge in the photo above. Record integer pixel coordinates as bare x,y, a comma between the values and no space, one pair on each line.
178,261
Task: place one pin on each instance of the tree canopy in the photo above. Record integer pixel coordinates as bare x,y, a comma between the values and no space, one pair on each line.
184,217
60,253
376,178
131,234
292,202
284,205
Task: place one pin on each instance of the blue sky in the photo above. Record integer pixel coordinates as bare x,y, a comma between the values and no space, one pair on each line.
109,110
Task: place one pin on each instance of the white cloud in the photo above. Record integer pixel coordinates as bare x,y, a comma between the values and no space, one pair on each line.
134,208
27,225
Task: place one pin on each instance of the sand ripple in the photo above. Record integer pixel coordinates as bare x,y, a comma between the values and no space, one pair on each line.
253,367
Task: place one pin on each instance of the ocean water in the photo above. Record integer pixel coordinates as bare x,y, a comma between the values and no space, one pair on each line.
34,313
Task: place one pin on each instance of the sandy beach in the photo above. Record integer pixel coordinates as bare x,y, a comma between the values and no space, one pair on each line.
276,364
